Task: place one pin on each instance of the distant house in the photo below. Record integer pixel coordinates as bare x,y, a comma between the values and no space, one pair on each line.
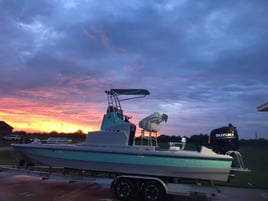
263,108
5,129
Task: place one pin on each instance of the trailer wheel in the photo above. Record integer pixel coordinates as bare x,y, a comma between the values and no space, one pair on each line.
123,189
153,191
21,163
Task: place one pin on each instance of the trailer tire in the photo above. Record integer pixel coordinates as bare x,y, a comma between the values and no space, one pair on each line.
21,163
123,189
153,191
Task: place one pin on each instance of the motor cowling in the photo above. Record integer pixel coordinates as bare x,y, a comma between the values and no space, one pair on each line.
224,139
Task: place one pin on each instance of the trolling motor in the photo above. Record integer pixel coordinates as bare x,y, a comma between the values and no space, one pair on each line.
224,139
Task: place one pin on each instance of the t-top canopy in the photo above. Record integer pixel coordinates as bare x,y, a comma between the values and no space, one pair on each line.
143,92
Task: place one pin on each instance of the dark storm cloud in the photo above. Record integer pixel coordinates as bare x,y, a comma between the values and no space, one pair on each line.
200,58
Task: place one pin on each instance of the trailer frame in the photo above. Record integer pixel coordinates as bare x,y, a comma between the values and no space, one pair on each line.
124,187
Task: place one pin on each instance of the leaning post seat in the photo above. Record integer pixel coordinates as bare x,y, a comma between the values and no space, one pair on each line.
152,122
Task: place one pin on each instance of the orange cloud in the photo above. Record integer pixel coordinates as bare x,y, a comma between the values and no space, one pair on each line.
34,117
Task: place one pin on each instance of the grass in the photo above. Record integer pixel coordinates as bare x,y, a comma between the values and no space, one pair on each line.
4,143
255,158
7,158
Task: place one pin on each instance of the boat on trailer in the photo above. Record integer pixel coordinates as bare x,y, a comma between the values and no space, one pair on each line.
114,149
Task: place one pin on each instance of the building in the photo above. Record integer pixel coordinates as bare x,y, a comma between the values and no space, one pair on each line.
263,107
5,129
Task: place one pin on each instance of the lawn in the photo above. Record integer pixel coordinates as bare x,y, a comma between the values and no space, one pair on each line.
7,158
4,143
255,158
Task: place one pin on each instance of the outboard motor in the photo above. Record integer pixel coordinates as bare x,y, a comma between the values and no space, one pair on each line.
224,139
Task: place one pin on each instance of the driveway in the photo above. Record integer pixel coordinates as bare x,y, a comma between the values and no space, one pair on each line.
28,188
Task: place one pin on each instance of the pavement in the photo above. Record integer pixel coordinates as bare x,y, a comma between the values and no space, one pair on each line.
29,188
16,187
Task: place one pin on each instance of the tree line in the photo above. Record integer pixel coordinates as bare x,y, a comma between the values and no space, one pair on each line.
200,139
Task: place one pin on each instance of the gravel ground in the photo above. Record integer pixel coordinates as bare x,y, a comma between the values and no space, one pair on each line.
28,188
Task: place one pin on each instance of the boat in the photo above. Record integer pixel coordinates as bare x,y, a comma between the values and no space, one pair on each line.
58,140
115,148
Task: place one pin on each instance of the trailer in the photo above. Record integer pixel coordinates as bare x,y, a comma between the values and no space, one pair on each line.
124,187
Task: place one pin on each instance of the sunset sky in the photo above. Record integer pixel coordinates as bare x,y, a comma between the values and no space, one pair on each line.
204,62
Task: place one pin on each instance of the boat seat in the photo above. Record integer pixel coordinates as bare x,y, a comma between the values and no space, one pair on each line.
152,122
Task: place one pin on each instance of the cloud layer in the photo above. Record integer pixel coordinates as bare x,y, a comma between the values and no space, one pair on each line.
205,63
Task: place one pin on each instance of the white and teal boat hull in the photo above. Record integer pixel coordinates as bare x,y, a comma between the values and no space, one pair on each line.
131,160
